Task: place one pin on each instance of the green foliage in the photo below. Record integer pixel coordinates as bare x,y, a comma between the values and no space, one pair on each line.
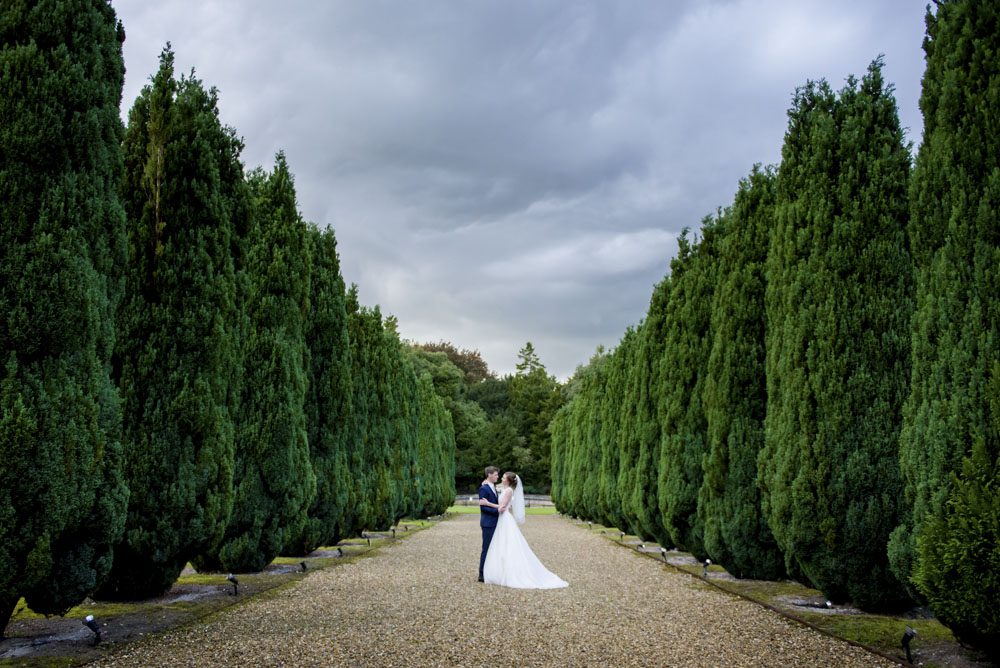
735,391
328,411
387,405
607,502
448,380
62,248
469,362
473,445
492,395
949,448
273,480
575,447
534,400
684,365
641,431
178,354
434,470
838,299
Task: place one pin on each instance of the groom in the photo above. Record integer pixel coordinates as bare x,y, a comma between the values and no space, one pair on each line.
488,516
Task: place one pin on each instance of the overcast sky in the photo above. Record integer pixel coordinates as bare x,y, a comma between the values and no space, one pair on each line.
502,172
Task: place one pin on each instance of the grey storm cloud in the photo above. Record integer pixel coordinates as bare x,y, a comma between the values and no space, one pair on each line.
499,172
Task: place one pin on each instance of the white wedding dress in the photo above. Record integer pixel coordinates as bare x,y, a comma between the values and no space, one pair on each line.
509,561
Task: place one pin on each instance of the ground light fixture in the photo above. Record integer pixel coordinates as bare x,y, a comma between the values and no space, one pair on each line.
303,565
621,536
92,624
908,635
704,572
663,553
236,584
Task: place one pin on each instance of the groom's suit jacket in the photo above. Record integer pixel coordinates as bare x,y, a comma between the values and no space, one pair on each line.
488,516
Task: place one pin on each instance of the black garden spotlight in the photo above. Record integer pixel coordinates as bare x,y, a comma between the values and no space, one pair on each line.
236,584
663,553
704,572
92,624
621,536
908,635
303,565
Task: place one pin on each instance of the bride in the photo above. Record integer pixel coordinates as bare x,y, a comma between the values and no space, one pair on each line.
509,561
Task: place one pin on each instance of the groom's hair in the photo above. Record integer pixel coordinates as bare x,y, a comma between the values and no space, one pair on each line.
490,470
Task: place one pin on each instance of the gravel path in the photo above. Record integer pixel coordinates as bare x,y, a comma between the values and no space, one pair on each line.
417,603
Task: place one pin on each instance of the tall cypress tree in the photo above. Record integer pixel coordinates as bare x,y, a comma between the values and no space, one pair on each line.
838,298
328,405
434,468
684,366
642,434
950,546
364,328
178,350
273,481
401,409
735,391
385,406
605,471
62,247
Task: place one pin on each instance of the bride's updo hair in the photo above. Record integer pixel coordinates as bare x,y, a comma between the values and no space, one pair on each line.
511,479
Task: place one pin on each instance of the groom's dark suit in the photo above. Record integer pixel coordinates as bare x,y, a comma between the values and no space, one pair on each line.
487,521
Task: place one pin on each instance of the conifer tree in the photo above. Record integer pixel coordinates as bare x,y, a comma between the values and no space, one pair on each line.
273,480
364,327
434,468
579,446
949,546
640,449
62,248
735,392
386,407
534,398
605,470
401,409
683,369
178,348
328,411
838,299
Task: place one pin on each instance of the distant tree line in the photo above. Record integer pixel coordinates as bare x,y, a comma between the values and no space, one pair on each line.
815,389
502,422
185,377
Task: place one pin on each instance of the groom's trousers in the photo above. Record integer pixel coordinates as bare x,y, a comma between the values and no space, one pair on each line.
487,538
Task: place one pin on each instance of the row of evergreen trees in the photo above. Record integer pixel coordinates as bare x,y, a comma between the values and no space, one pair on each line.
814,389
185,376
